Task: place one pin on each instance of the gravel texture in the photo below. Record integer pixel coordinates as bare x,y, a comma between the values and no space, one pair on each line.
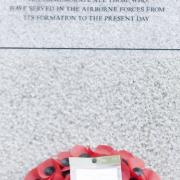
52,100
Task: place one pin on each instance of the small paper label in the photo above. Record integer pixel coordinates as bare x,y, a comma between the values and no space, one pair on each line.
100,168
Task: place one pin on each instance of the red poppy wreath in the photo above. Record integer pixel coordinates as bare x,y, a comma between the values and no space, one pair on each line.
58,168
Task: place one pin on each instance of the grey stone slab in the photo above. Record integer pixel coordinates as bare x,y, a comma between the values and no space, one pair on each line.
142,24
52,100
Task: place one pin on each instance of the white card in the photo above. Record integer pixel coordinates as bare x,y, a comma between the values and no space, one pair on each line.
100,168
98,174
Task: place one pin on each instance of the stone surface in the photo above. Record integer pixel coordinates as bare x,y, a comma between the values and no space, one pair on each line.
160,31
52,100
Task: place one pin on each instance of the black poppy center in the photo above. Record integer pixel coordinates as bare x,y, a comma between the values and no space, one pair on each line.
84,155
65,173
94,160
138,171
49,171
65,162
132,178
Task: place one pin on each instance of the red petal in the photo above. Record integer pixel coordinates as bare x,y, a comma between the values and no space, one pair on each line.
125,171
76,151
67,177
57,176
150,174
63,155
135,162
124,154
65,169
104,150
45,164
91,152
32,175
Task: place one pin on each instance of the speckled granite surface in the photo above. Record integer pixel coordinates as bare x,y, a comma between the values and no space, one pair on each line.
160,31
51,100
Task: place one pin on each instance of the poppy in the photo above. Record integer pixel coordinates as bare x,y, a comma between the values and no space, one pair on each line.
150,174
63,158
48,170
104,150
81,151
33,175
58,168
125,171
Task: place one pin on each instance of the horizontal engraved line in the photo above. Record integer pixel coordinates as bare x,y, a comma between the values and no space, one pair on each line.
76,48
